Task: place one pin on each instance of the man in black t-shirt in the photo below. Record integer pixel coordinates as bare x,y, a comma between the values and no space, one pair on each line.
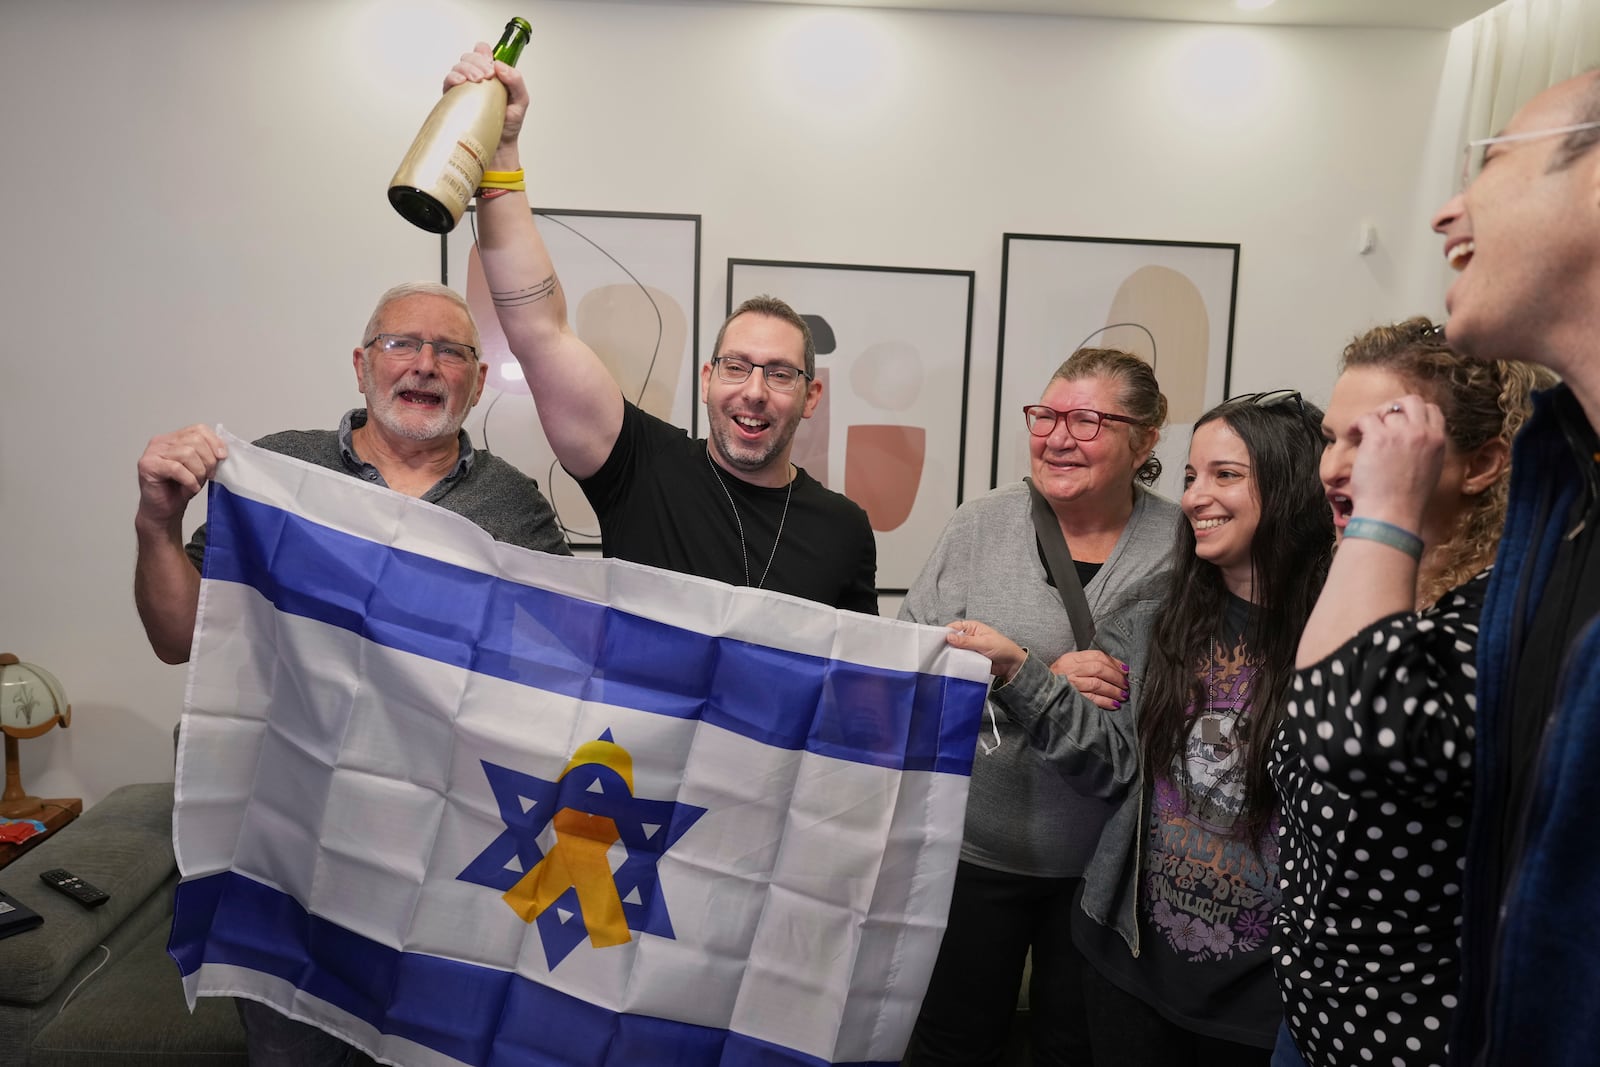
733,507
1525,236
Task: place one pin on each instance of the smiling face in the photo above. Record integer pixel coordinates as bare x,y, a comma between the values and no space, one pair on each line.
1525,237
752,425
420,399
1222,504
1361,391
1096,473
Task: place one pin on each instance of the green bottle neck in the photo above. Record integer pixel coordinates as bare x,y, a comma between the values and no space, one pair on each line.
517,35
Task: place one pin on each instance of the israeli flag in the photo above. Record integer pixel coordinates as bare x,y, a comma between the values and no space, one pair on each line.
461,803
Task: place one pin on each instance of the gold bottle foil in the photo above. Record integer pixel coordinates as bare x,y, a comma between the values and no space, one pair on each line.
442,169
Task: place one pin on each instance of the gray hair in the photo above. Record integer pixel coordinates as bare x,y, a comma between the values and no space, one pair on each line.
410,289
1587,109
1137,391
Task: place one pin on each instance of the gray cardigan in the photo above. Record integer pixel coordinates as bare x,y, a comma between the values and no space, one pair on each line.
1099,751
1023,815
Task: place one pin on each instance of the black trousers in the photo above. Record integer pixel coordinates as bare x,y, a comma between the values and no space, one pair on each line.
1128,1032
995,918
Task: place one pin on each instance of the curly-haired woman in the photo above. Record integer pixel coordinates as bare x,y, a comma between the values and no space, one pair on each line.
1374,758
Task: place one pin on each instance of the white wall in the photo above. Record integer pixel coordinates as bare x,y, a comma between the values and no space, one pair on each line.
196,224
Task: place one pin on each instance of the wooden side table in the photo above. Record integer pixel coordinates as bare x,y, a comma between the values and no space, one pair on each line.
55,814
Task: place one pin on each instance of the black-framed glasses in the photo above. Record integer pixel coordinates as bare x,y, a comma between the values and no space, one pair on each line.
779,376
399,346
1082,423
1272,398
1285,398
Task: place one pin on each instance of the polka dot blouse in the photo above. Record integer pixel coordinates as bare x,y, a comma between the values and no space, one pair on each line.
1373,764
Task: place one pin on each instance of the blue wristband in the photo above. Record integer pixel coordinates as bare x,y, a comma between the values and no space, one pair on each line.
1385,533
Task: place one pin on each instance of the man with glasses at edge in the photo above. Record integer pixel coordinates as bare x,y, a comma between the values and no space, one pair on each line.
733,507
418,366
1524,235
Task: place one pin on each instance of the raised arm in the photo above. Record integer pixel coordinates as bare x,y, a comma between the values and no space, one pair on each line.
166,586
1395,470
580,404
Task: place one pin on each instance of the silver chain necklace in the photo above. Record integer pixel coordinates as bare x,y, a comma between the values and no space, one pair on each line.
744,549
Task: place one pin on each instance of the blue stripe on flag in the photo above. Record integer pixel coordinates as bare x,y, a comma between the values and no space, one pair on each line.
534,637
478,1015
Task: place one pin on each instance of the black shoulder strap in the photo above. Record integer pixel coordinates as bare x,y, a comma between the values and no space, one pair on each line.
1048,530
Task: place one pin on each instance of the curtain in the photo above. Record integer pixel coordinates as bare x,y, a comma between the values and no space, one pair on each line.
1523,47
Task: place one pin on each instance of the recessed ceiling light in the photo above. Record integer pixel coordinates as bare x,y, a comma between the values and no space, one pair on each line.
1252,5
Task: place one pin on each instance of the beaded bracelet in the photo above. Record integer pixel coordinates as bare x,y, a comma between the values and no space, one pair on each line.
1385,533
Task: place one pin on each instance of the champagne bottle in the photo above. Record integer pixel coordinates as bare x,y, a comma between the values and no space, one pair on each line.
442,169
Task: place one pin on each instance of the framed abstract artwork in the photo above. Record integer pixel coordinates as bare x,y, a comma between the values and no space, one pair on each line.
894,348
1169,302
632,282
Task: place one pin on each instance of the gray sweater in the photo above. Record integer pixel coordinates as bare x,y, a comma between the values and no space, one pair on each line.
1023,816
1099,751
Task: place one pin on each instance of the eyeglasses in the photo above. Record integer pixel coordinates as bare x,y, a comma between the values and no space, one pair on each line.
1282,398
1476,152
398,346
1420,331
1082,423
1272,398
779,376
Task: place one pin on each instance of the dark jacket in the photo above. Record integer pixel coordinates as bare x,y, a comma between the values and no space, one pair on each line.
1529,992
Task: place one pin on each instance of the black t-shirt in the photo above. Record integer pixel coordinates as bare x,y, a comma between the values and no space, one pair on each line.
1086,571
1206,897
661,503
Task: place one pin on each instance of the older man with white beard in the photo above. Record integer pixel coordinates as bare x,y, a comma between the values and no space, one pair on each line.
419,369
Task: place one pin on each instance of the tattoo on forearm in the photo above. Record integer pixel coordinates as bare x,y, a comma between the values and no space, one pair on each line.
510,298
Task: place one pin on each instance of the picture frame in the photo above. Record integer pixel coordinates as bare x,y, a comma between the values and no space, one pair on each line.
632,283
890,429
1171,303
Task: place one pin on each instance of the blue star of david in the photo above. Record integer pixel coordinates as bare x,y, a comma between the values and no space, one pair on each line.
648,828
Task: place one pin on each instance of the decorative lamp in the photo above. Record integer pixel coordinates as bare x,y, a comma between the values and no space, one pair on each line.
31,701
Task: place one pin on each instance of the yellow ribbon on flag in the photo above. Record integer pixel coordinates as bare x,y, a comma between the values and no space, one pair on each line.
578,859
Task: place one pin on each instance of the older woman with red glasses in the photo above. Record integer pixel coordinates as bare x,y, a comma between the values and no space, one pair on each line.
1039,560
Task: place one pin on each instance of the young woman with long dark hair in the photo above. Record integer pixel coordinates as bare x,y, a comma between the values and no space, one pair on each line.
1178,901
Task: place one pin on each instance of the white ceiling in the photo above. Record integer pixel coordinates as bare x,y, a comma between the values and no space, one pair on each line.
1392,14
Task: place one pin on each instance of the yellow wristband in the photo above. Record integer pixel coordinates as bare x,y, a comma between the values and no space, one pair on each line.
503,179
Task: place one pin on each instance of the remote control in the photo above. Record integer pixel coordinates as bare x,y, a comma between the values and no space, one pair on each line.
73,886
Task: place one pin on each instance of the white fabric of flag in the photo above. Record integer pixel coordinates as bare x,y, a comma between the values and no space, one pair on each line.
461,803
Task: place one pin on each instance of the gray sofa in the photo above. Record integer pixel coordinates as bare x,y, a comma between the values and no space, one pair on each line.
126,1003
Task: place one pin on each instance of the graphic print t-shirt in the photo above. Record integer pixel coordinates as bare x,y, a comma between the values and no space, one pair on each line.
1207,898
